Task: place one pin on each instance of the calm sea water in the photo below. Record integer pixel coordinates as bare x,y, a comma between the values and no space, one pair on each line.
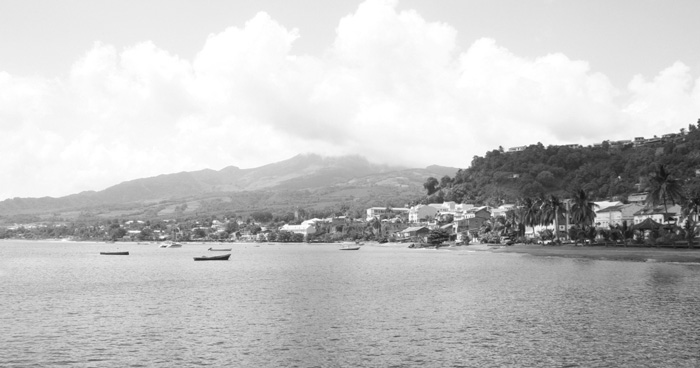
298,305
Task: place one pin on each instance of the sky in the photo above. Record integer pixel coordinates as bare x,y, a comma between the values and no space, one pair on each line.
94,93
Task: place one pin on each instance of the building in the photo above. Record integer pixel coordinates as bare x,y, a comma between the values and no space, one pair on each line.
304,228
502,210
517,149
421,213
472,220
414,232
658,214
639,198
377,212
601,205
574,145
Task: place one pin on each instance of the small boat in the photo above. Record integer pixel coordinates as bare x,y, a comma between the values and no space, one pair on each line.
170,245
349,247
114,253
219,249
224,257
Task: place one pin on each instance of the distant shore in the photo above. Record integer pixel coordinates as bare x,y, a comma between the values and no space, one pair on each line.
633,254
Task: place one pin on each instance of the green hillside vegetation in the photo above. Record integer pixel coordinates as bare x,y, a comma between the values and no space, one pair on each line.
607,171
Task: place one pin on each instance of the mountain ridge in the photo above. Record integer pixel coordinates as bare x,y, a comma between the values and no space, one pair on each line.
309,173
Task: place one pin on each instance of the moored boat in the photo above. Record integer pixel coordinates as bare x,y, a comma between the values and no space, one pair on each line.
219,249
351,246
119,253
224,257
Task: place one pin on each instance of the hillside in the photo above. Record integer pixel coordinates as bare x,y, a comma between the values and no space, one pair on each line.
611,169
304,181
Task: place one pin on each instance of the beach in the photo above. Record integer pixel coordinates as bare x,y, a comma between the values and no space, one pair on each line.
635,254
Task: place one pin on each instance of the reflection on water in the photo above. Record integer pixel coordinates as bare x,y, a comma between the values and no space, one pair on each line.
310,305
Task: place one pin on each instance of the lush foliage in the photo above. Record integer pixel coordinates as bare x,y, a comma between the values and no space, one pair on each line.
601,172
438,236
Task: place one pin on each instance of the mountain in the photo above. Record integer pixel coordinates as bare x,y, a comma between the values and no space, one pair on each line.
302,181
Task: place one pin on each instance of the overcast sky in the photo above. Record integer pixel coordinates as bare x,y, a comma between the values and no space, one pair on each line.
93,93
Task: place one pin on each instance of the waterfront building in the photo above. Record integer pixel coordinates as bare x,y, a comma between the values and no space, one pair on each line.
616,215
305,228
658,214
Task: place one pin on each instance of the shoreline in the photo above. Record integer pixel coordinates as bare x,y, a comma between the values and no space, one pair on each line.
629,254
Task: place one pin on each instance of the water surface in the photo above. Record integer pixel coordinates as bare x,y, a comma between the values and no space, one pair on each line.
275,305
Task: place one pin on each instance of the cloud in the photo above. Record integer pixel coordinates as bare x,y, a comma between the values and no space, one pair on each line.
671,99
392,86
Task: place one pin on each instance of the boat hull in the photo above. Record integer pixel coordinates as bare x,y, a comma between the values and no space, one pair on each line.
224,257
350,248
219,249
114,253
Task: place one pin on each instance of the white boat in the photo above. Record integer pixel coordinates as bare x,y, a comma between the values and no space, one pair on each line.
350,246
170,245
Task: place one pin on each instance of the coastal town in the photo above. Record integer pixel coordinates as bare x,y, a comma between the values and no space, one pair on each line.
660,211
462,223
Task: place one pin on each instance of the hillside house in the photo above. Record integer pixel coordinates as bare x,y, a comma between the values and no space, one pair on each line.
639,198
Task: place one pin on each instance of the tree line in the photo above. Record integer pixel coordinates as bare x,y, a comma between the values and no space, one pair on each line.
602,172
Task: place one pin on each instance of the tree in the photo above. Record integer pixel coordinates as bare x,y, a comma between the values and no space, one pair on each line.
582,209
146,234
691,207
231,226
431,185
445,182
438,236
261,217
529,212
691,210
199,233
117,232
664,189
551,208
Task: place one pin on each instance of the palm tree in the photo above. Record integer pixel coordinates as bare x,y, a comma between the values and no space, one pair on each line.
664,189
582,209
690,210
691,206
530,212
551,208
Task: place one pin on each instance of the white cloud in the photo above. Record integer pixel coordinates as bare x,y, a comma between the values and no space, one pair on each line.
666,103
392,87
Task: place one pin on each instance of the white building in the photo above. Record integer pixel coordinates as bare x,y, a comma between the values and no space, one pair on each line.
502,210
304,228
658,214
421,212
